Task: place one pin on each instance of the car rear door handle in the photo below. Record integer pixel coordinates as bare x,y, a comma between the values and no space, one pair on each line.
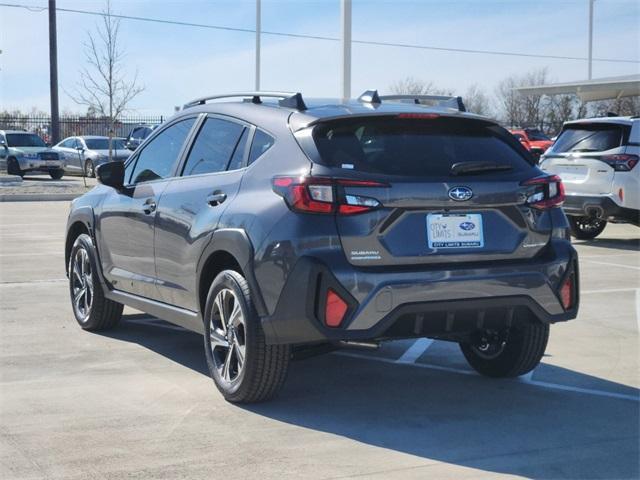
216,198
149,206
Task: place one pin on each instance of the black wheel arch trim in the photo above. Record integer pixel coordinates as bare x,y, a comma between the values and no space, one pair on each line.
86,216
236,243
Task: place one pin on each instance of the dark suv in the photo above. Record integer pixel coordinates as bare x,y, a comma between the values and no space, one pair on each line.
137,135
279,228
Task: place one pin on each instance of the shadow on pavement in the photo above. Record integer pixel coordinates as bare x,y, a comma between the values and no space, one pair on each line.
498,426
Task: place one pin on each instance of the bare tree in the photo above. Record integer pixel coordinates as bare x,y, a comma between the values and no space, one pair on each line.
414,86
102,87
518,108
476,100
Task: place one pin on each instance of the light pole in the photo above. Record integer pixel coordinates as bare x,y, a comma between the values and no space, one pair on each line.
258,28
53,73
346,48
591,2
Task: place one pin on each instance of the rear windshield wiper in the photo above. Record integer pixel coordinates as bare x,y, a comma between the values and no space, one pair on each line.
469,168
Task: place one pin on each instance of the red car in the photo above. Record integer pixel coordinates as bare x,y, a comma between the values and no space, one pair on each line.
533,140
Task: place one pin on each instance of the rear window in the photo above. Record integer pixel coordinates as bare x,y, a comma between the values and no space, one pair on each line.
594,137
415,147
536,135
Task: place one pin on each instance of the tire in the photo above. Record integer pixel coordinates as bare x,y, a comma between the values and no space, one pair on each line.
13,167
92,310
586,228
89,170
56,174
518,351
237,335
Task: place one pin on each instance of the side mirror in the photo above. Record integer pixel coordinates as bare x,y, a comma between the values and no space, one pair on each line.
111,174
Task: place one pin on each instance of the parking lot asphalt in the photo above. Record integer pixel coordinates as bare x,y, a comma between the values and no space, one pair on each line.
137,402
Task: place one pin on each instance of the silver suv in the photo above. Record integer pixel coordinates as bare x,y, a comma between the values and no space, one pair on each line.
22,152
597,160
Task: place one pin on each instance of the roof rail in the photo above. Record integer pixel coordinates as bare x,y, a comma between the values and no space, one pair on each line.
371,96
287,99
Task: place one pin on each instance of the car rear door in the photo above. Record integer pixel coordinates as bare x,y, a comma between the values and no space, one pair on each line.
427,213
193,203
127,219
579,156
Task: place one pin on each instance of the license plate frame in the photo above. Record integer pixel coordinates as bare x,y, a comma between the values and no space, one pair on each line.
455,231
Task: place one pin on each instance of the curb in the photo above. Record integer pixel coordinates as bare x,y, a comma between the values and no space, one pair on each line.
39,197
10,179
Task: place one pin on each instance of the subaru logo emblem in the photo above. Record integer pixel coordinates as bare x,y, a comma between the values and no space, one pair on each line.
460,194
467,226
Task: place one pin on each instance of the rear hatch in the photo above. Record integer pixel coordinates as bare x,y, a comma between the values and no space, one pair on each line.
440,189
583,156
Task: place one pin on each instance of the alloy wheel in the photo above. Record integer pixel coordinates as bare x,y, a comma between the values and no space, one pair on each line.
490,344
227,335
82,284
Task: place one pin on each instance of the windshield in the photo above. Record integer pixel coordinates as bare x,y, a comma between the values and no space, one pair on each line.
103,143
24,140
416,147
589,138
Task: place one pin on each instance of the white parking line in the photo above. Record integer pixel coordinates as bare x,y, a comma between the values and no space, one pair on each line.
608,290
547,385
609,264
415,351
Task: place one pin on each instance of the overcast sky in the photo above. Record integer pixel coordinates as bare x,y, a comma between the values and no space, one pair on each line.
177,63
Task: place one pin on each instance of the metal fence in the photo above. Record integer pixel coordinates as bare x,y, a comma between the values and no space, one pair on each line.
74,125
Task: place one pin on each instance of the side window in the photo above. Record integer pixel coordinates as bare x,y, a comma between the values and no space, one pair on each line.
157,159
213,147
238,155
261,143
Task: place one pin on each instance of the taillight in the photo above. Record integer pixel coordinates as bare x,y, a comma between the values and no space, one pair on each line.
548,192
621,162
335,309
567,293
325,195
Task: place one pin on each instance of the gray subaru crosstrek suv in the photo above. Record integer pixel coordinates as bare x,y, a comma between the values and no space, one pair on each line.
278,227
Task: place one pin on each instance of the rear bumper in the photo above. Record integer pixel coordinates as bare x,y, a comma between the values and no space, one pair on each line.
436,303
602,207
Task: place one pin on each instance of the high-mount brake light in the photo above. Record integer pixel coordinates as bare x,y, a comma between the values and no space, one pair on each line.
621,162
549,192
424,116
324,195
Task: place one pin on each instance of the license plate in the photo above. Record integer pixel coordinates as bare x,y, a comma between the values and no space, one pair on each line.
455,230
570,173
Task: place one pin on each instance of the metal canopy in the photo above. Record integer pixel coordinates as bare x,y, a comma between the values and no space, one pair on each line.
590,90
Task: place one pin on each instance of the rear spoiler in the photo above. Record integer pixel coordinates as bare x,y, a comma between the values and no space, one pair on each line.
456,103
